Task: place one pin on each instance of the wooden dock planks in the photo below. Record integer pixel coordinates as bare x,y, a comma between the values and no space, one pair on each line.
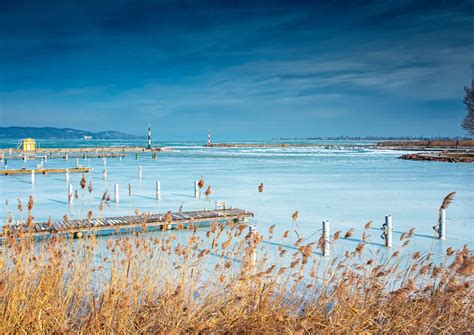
46,171
73,227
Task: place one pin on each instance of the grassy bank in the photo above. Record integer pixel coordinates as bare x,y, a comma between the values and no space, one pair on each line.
186,281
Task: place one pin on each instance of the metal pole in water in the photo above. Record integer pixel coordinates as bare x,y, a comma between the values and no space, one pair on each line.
442,225
67,175
158,190
116,193
70,195
326,242
139,171
388,229
32,176
196,189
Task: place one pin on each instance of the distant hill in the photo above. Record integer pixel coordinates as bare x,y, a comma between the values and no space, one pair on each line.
60,133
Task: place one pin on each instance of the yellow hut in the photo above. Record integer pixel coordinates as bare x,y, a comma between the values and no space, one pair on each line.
28,144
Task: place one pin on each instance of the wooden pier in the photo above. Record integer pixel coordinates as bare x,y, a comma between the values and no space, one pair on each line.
62,155
84,150
46,171
127,224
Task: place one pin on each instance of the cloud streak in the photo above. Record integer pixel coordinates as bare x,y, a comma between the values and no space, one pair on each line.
274,68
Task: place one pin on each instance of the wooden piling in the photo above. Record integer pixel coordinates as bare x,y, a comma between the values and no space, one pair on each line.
116,193
253,251
196,189
388,229
158,190
70,195
442,225
326,242
105,168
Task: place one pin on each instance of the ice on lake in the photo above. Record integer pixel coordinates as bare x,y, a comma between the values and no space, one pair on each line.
347,186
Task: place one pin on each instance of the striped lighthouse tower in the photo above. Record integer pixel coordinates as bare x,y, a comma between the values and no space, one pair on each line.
209,138
149,137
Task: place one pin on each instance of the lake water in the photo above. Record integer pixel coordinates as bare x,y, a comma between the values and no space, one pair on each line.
347,186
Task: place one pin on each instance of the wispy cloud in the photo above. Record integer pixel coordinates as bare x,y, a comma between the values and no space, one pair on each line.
303,69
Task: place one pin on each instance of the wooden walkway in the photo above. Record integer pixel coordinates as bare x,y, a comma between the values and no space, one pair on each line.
46,171
127,224
84,150
63,156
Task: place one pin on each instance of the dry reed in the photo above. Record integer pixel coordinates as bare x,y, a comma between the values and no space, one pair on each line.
185,281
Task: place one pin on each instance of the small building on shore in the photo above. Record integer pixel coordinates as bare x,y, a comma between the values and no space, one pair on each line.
28,144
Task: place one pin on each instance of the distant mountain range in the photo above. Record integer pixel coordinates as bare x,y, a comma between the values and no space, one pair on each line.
60,133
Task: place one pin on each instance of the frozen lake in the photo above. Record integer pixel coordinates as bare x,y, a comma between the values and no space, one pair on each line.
348,187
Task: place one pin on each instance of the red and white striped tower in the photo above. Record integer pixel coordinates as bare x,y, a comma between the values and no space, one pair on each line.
209,138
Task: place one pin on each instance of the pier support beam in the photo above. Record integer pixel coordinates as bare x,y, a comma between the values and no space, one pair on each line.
116,193
326,242
70,195
387,231
158,190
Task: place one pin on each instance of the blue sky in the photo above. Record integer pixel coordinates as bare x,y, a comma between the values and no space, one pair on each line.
247,70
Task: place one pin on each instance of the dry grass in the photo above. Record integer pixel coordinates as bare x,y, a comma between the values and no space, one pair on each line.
191,281
182,282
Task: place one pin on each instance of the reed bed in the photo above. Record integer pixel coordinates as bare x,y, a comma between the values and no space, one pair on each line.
225,279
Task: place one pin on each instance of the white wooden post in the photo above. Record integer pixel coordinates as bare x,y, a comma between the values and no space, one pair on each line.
139,171
70,195
326,243
158,190
388,229
67,157
67,175
105,168
442,225
32,176
77,162
196,189
116,193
